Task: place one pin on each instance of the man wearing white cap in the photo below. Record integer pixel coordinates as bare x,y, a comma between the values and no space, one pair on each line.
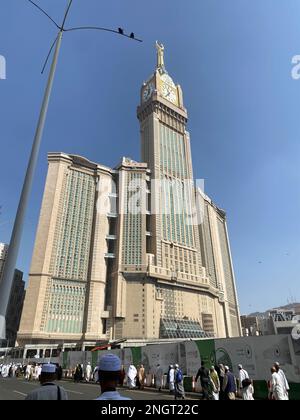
283,380
229,385
48,390
243,374
109,369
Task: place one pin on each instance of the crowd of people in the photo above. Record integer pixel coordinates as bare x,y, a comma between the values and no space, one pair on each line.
217,383
30,371
136,378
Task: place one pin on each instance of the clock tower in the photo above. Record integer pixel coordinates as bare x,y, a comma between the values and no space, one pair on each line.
165,145
118,253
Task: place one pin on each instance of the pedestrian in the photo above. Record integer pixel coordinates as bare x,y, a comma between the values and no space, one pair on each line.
36,372
229,385
131,376
59,372
10,371
243,374
179,388
48,390
141,376
277,387
4,371
109,368
28,372
214,383
39,371
96,375
221,373
78,373
248,389
284,381
159,374
203,374
170,379
88,372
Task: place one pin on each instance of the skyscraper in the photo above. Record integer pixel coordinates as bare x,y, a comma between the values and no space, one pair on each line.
119,252
3,254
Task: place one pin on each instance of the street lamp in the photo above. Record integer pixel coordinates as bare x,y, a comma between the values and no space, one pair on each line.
10,263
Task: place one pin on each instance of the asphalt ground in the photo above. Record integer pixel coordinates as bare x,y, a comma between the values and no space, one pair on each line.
18,388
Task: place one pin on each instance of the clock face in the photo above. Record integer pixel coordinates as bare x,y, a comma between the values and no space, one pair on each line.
167,79
148,91
169,93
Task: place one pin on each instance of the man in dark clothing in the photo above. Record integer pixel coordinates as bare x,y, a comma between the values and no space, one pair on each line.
229,385
78,373
59,372
203,373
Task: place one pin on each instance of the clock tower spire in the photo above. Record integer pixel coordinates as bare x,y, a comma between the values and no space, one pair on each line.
160,58
160,85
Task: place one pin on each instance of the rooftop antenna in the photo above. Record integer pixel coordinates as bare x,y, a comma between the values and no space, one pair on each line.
10,264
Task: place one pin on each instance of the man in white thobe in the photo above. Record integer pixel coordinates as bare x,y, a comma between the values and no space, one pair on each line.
284,381
277,387
131,376
28,372
171,379
36,373
5,370
88,371
39,371
243,374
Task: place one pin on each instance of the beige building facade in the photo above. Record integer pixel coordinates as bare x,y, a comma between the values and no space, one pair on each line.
134,252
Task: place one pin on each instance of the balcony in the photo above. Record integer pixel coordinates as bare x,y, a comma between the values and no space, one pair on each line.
112,215
111,237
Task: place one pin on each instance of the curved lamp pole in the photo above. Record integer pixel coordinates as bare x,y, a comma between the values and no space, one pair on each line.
14,245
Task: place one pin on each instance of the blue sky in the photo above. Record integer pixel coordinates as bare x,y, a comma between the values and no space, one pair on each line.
233,61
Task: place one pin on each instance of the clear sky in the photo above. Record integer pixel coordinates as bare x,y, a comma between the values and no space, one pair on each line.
233,61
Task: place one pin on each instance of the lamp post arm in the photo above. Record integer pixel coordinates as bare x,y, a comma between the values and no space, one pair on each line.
45,13
66,14
101,29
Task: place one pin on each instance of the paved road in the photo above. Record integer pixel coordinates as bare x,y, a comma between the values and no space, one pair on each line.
17,389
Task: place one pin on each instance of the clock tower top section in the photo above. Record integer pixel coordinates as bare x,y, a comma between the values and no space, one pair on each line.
160,86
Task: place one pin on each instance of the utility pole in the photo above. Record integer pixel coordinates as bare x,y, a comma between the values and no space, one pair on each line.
14,245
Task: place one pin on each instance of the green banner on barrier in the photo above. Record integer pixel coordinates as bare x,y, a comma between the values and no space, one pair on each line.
206,350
